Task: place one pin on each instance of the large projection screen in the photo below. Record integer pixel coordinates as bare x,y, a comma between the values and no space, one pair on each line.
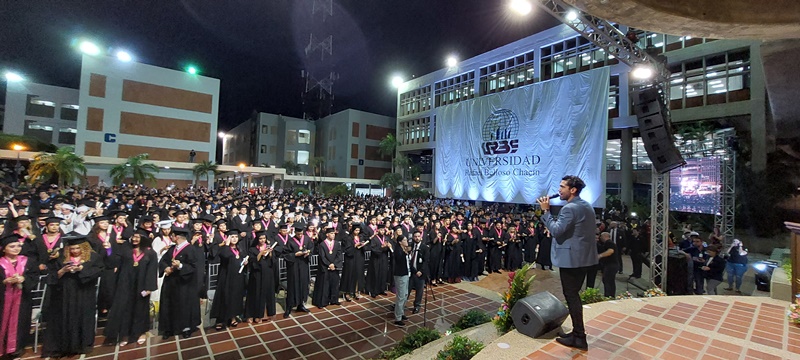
516,145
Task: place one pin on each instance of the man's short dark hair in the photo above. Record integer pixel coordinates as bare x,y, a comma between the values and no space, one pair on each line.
574,182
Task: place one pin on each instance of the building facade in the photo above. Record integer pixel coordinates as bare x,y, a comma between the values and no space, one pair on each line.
713,80
130,108
45,112
344,144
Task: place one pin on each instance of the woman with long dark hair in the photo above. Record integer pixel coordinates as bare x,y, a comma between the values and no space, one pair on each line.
354,279
229,297
261,282
19,275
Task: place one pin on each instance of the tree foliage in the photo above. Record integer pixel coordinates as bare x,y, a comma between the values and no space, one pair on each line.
203,168
63,165
135,168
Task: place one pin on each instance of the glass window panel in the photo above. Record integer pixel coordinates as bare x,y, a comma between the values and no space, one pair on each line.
694,89
302,157
676,92
735,83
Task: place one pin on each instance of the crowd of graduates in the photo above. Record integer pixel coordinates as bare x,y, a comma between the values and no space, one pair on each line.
116,252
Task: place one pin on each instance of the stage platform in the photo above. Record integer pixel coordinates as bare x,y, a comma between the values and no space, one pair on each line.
675,327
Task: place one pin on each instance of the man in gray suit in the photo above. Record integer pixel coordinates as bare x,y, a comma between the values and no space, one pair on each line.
574,251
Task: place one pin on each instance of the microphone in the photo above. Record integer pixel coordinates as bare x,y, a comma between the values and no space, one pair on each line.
554,196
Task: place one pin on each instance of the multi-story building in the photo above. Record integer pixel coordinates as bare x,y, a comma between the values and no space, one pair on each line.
346,143
130,108
715,80
45,112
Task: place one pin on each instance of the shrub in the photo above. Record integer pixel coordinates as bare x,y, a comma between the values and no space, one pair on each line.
592,295
470,319
461,348
518,287
411,342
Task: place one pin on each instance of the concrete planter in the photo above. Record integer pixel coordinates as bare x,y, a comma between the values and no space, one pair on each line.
780,288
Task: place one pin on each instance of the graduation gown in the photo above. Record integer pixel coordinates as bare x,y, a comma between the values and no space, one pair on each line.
130,316
436,254
478,258
298,276
469,245
353,276
71,308
229,296
180,305
530,241
514,252
16,305
326,286
495,249
278,254
42,251
261,282
378,269
453,253
543,256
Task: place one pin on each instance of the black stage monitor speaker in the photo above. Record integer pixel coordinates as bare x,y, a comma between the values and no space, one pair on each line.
538,314
654,128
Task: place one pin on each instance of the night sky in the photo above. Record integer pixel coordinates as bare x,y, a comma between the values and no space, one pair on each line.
256,47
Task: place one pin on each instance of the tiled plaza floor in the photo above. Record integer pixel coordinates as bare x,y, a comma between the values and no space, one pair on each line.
360,329
716,327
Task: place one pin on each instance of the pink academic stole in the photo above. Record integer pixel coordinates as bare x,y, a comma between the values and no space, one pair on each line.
11,304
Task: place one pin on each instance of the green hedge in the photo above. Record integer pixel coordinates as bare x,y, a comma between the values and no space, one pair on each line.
411,342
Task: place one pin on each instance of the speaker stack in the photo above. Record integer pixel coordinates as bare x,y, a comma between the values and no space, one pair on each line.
538,314
654,127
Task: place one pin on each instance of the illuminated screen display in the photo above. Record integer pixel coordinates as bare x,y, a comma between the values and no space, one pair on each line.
696,187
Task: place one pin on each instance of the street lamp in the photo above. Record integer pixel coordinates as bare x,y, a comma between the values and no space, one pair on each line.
18,168
13,77
241,177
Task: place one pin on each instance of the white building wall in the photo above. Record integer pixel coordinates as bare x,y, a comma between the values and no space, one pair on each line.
17,102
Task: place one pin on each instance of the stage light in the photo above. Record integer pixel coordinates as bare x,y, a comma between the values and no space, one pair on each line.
191,70
452,61
522,7
13,77
221,135
642,72
633,214
397,81
572,15
124,56
89,48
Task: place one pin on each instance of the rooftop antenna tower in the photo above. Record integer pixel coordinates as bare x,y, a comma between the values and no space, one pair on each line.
319,76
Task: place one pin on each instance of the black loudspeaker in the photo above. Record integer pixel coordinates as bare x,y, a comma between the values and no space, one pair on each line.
654,128
538,314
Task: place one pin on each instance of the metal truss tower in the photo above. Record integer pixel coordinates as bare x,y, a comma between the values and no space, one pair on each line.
318,78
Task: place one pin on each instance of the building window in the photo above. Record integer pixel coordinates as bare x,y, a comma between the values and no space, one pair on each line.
303,137
302,157
291,137
571,56
664,43
639,155
714,79
41,132
263,149
67,136
290,156
264,129
415,101
455,89
40,108
613,97
508,74
415,131
273,149
69,112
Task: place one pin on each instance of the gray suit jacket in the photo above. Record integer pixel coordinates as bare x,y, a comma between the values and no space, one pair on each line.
573,234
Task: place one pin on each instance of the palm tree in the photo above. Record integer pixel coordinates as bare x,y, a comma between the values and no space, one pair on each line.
390,181
203,168
63,164
388,146
134,168
291,167
317,164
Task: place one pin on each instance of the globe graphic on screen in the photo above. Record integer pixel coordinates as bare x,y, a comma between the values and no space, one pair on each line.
501,125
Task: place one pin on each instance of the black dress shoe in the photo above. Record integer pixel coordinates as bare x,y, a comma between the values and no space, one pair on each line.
564,335
186,334
287,314
167,335
404,318
303,309
400,323
336,303
578,342
347,298
416,310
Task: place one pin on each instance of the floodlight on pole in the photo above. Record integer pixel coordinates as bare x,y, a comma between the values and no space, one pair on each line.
522,7
124,56
642,72
191,70
452,61
572,15
221,135
397,81
13,77
89,48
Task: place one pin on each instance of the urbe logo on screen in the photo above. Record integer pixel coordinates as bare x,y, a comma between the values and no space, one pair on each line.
500,133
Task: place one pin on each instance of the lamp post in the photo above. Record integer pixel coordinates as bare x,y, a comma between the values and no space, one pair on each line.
241,177
222,135
18,168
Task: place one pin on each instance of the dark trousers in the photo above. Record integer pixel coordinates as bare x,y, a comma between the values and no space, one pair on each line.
418,285
609,281
571,283
591,275
637,258
618,254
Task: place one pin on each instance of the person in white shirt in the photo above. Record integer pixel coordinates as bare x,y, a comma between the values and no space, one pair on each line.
160,245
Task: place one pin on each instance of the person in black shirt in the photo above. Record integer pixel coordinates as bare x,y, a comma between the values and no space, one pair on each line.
608,263
737,265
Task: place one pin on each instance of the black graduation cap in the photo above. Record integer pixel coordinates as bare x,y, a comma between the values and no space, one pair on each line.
8,239
180,212
3,205
255,220
283,227
232,232
74,238
299,227
220,221
209,218
22,217
52,219
261,233
101,218
330,230
117,214
180,230
143,233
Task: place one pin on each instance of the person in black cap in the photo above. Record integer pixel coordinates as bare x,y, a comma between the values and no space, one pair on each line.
378,269
331,260
49,244
180,303
19,275
72,303
129,318
353,280
261,283
297,254
229,297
